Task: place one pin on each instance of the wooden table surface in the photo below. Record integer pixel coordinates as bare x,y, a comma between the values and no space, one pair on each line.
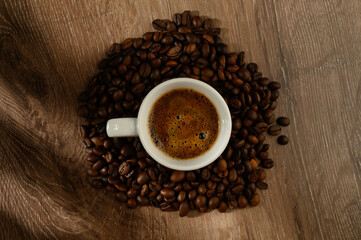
50,49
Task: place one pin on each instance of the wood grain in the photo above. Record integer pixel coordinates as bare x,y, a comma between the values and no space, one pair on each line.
50,49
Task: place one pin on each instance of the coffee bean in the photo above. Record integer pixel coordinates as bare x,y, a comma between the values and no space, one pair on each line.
184,29
244,74
167,40
283,121
131,193
274,85
261,174
206,174
261,127
143,201
159,25
232,204
283,140
267,163
214,202
154,186
235,103
202,189
200,201
252,115
222,207
174,52
255,199
252,139
222,164
196,22
167,193
127,150
177,176
166,206
183,208
237,123
262,185
144,70
124,168
142,178
242,201
182,195
171,27
274,130
98,165
192,194
232,176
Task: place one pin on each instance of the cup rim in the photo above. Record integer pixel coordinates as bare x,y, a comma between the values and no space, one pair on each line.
225,123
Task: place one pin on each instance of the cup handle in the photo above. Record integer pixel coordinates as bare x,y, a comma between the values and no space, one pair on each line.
122,127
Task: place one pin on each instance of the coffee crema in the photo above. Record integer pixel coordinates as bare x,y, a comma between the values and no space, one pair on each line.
183,123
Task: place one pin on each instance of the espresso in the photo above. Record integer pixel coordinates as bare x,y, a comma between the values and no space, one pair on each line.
183,123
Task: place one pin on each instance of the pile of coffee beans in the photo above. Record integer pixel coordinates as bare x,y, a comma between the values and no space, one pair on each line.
188,46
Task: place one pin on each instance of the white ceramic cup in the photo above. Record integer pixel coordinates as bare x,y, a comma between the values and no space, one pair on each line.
132,127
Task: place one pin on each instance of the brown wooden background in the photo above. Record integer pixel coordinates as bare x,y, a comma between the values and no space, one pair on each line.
50,49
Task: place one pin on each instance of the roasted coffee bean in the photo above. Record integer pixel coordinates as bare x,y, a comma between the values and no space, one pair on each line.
159,24
182,195
171,27
169,185
206,174
255,199
190,176
283,140
242,201
143,201
98,165
274,85
200,201
261,174
237,123
252,115
237,189
142,178
222,207
177,176
202,189
274,130
214,202
222,164
167,40
211,185
252,139
187,186
183,208
235,103
132,193
154,186
283,121
167,193
261,127
232,204
174,52
184,29
166,206
192,194
124,168
267,163
262,185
